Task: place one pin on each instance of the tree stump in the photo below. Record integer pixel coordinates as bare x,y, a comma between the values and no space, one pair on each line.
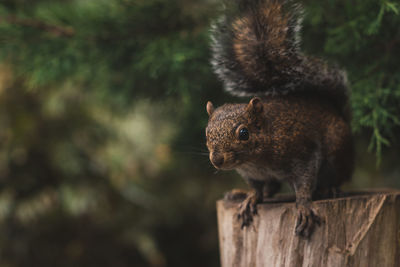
361,229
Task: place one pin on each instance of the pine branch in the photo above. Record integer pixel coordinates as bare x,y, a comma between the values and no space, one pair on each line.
40,25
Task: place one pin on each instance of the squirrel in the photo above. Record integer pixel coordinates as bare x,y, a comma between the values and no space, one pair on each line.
296,128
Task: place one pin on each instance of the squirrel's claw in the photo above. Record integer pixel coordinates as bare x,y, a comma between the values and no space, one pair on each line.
247,209
306,221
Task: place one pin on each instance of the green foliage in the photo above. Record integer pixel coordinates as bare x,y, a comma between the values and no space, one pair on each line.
97,104
112,47
364,37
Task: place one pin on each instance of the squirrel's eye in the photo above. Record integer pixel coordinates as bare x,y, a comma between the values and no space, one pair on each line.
244,134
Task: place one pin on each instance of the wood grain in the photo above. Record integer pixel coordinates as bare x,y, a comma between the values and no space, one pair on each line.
362,229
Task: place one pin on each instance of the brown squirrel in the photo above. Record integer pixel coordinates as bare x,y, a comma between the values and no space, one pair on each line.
296,128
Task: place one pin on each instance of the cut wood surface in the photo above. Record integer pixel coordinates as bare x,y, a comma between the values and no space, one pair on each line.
362,229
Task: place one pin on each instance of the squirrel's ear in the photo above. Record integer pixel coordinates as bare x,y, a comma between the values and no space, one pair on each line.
255,105
210,108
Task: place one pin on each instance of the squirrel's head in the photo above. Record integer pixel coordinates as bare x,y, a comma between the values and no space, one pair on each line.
234,133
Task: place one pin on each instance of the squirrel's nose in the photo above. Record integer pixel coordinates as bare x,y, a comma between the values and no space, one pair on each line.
217,159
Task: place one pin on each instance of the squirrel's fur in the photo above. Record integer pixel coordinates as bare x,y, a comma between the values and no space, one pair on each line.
299,130
256,51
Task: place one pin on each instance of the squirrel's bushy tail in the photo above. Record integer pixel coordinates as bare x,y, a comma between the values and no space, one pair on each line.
256,51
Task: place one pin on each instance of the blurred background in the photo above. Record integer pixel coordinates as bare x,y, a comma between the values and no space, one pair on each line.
102,115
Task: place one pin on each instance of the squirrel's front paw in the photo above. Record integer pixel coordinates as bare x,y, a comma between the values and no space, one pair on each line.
247,209
306,221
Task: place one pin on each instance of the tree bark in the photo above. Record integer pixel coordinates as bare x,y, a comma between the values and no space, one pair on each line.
360,229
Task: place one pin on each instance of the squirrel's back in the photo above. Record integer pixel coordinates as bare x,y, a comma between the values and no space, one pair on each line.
256,51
